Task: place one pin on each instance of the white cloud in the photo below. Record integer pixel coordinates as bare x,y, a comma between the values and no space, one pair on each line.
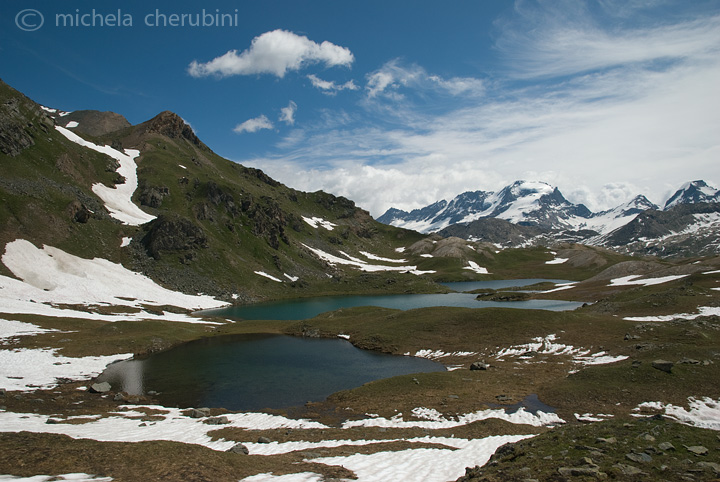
254,125
331,87
563,38
275,53
393,76
287,114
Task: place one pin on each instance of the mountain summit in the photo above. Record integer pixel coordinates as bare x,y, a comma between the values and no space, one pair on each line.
693,192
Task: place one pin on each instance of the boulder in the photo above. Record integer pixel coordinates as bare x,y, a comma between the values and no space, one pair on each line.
199,412
663,365
238,449
223,420
264,440
478,365
697,450
102,387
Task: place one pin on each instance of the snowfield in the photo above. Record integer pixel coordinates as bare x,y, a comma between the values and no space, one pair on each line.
27,370
415,464
50,276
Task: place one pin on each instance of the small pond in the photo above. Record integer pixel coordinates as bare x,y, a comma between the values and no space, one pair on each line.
252,372
304,308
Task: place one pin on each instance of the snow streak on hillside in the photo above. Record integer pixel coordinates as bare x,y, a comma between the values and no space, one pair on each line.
118,199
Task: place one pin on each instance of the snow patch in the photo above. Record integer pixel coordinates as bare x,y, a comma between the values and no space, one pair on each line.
702,311
557,261
268,276
72,124
521,417
631,280
11,329
25,369
589,417
118,199
379,258
360,264
125,242
74,477
702,413
423,465
546,346
316,222
473,266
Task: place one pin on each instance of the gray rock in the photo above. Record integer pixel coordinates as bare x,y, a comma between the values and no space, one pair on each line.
611,440
689,361
697,450
2,392
580,471
629,469
715,467
663,365
263,440
222,420
479,366
199,412
238,449
103,387
666,446
640,458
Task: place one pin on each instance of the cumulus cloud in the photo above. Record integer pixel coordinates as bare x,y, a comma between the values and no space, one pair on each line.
254,125
287,114
393,75
331,87
276,53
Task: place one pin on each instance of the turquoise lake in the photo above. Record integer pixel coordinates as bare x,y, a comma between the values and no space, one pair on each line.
300,309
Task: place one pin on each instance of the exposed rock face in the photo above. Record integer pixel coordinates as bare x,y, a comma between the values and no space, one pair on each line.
94,122
20,121
152,195
493,230
79,212
171,125
173,234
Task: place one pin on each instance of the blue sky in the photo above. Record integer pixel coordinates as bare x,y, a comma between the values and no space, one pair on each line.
401,103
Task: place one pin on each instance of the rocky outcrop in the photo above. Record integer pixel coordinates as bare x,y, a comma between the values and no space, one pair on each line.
170,125
21,120
493,230
168,233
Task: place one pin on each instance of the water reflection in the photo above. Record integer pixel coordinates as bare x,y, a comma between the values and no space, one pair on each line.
252,372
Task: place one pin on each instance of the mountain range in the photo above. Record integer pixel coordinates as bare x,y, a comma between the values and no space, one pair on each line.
528,213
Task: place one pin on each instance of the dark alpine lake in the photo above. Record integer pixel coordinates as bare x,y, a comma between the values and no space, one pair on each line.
252,372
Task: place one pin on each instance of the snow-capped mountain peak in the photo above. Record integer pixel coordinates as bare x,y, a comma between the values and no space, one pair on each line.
693,192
